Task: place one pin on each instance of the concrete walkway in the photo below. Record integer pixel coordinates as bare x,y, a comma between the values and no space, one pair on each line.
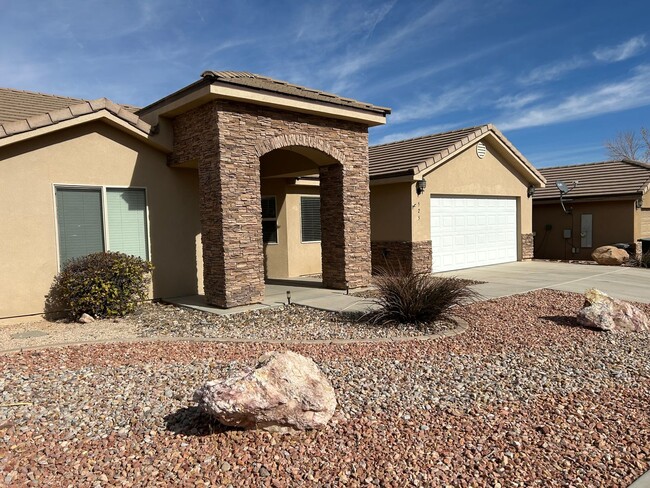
307,292
512,278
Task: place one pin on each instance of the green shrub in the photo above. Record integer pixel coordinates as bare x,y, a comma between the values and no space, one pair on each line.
103,284
416,298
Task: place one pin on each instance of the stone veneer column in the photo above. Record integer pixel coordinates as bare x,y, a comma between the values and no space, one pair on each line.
527,246
227,140
404,256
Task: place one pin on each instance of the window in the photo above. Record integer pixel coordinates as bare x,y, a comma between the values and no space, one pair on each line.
310,219
101,219
269,221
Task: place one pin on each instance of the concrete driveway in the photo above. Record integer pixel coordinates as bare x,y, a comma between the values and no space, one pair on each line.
508,279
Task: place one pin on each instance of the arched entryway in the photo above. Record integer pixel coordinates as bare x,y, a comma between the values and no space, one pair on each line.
295,230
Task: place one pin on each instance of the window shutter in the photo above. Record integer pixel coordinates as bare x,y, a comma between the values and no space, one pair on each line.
310,218
127,221
79,222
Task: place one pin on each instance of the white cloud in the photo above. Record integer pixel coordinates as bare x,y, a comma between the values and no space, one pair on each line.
417,132
567,155
623,51
607,98
461,97
518,101
552,71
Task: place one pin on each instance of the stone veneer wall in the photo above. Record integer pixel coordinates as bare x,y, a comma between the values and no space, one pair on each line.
527,246
227,140
406,256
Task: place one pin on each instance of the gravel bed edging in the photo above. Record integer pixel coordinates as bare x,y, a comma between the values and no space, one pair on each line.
461,326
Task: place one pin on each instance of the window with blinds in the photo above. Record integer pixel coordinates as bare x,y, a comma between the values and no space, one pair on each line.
79,222
310,219
127,221
84,227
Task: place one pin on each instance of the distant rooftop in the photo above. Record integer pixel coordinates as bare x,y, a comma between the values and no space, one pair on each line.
602,179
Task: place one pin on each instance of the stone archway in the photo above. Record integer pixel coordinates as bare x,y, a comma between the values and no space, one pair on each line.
227,139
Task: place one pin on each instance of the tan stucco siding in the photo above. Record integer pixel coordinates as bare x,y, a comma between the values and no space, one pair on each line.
468,175
612,222
390,208
642,218
93,155
290,257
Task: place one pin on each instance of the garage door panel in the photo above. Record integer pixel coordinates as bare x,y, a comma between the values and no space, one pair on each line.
467,232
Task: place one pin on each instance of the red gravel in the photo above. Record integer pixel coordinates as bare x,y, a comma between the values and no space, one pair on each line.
582,428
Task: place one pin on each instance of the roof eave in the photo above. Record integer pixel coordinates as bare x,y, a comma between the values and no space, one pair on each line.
208,89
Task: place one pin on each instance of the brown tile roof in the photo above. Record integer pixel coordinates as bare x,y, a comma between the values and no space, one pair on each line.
412,156
603,179
252,80
77,109
20,104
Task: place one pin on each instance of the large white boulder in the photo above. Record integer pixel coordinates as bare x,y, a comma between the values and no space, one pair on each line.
285,392
603,312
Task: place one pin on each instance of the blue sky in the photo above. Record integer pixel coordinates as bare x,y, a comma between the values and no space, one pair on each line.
557,77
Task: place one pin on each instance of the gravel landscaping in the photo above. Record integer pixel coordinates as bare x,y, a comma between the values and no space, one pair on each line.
524,397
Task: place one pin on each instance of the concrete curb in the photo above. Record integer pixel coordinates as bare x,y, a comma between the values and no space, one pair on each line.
461,326
642,482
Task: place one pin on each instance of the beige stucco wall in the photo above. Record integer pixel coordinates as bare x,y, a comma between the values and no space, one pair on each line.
91,154
390,207
612,222
399,213
642,218
290,257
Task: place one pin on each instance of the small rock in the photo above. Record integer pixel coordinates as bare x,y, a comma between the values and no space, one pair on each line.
225,466
86,319
264,472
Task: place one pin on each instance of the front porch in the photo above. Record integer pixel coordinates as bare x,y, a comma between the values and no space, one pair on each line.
307,292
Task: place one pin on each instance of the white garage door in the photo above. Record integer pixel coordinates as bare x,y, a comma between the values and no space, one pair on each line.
467,232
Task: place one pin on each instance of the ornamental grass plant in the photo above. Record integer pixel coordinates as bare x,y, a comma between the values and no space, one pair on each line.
418,297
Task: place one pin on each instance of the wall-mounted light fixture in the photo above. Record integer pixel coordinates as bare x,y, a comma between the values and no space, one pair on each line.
531,191
639,203
420,186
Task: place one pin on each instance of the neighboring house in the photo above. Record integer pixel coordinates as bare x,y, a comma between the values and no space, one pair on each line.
449,201
207,183
608,205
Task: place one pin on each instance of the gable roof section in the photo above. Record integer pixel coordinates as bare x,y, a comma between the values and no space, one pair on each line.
21,104
8,129
423,154
252,80
603,179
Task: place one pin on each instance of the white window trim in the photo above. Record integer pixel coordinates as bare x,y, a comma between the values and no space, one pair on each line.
102,189
275,219
308,242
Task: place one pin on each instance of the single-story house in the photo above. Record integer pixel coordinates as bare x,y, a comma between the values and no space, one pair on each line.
448,201
238,178
606,203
